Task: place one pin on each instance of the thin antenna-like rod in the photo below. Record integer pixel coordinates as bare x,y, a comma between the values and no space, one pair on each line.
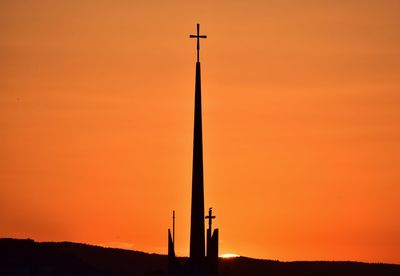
173,225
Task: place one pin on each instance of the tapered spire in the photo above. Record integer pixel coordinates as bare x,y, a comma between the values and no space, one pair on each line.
198,264
197,216
197,235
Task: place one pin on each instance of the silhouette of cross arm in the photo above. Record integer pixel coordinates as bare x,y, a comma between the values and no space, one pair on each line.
198,36
210,217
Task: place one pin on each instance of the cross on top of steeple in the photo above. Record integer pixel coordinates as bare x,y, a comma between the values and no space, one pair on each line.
210,217
198,36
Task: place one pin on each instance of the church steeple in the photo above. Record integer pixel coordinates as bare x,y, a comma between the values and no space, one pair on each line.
198,264
197,237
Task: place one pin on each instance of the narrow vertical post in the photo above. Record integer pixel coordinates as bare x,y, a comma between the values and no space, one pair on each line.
173,226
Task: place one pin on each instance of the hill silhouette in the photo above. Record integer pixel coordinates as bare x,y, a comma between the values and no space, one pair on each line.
27,257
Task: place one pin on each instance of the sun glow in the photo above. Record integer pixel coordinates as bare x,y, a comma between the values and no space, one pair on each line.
229,255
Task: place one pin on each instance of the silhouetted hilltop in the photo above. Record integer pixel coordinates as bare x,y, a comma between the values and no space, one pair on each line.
255,267
26,257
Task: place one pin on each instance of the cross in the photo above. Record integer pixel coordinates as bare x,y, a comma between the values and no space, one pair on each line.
210,217
198,36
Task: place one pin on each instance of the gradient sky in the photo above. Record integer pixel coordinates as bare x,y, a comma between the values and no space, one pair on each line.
301,123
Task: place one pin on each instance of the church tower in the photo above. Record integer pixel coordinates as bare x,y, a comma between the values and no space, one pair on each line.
198,264
197,248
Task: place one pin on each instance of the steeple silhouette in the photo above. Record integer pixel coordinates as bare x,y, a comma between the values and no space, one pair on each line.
198,263
197,248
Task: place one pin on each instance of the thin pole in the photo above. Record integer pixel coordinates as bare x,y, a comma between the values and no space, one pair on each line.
173,225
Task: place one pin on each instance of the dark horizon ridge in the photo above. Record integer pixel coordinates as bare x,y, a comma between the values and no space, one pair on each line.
184,257
27,257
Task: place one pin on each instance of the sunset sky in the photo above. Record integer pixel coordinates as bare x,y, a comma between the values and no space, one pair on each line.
301,124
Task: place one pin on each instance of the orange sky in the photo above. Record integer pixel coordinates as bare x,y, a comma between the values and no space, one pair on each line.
301,114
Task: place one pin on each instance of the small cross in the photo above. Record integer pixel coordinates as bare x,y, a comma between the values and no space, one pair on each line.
210,217
198,36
